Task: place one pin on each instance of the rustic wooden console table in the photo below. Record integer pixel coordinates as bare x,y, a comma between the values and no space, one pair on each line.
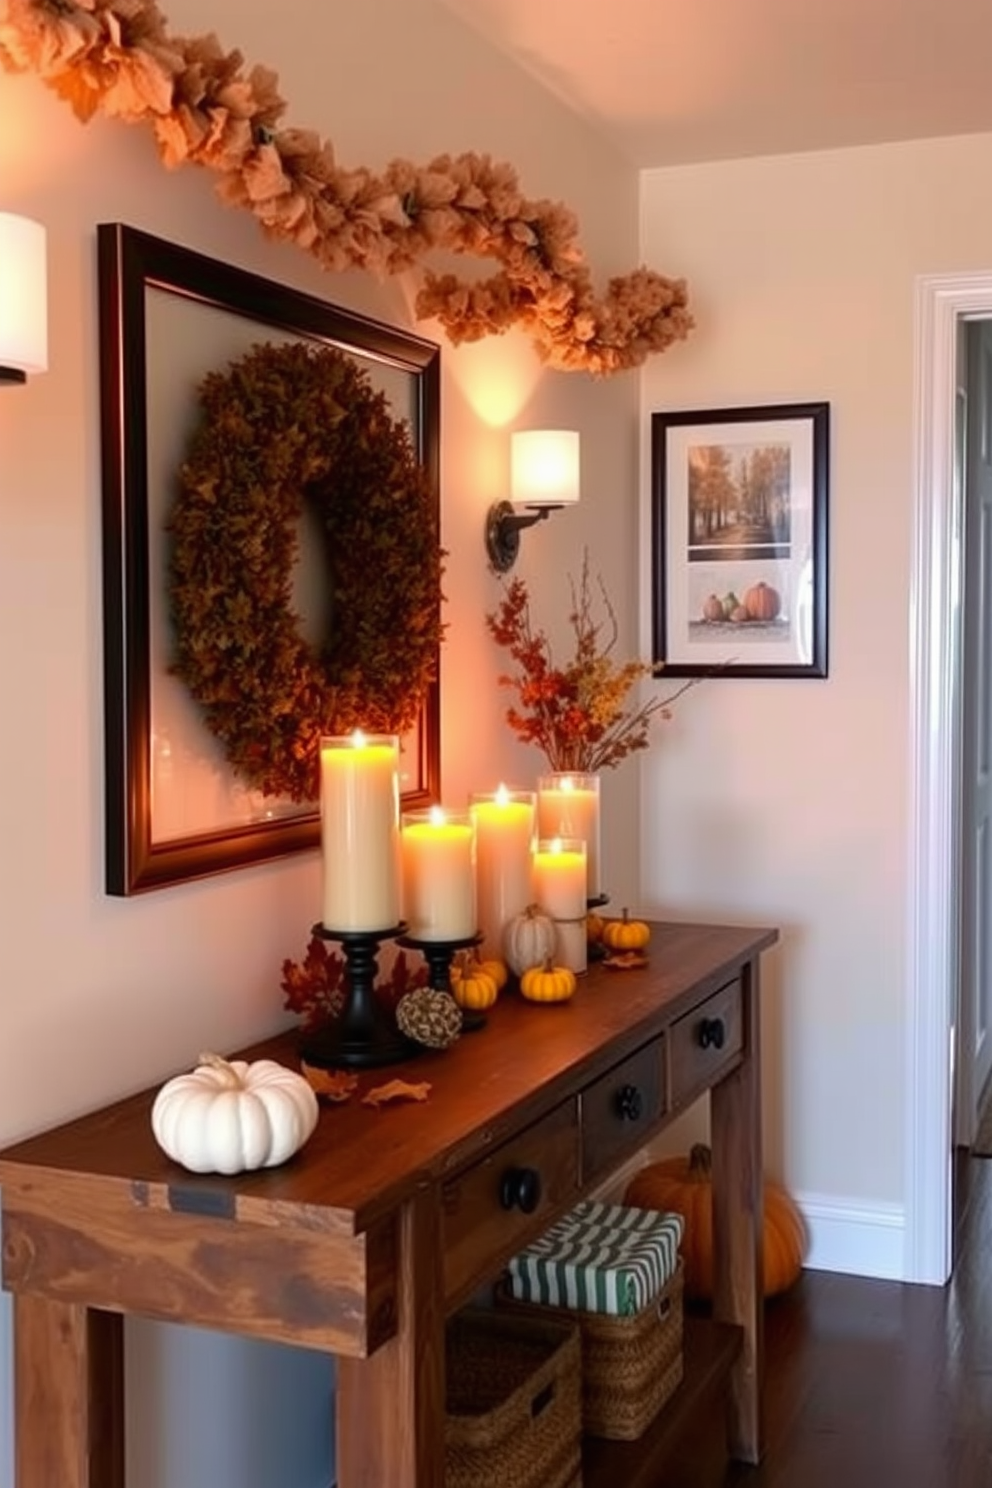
391,1218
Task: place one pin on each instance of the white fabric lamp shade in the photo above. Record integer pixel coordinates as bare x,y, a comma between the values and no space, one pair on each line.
544,467
23,295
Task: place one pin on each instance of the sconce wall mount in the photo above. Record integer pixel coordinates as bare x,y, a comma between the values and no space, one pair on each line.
544,476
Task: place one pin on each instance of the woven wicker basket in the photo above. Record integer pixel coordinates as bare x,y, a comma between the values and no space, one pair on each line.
631,1366
513,1401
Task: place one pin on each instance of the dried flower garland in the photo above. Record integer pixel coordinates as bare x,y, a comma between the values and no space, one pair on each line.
284,426
117,56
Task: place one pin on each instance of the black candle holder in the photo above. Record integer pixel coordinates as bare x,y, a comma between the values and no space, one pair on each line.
364,1034
439,955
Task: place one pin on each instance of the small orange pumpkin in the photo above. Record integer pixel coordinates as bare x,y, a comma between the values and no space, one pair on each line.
684,1185
594,928
468,961
626,934
762,602
548,983
472,987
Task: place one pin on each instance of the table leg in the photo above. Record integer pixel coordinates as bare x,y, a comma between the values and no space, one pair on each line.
735,1118
390,1407
68,1395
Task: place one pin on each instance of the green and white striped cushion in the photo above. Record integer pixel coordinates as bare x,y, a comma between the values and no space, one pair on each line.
606,1258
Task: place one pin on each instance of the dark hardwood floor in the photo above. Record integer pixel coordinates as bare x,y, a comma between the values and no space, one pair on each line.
873,1384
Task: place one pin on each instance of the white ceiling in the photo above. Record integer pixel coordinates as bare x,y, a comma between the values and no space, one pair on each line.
681,81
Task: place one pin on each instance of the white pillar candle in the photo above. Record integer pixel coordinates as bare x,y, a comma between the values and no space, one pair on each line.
504,840
359,824
439,874
568,806
560,890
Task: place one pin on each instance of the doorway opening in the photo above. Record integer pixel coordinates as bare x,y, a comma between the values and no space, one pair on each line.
944,302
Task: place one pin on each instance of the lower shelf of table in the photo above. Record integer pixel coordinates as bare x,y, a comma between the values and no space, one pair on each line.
710,1350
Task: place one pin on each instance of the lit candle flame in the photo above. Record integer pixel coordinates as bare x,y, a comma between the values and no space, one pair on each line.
437,816
502,795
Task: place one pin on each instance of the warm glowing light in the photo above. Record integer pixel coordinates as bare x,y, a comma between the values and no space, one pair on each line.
23,296
544,467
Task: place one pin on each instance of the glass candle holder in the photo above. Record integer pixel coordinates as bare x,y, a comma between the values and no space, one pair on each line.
505,825
560,889
568,806
438,856
359,829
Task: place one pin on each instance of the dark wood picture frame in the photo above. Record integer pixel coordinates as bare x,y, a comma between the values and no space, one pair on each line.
739,513
131,264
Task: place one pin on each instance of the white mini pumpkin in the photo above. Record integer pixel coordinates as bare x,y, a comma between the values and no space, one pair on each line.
529,938
231,1116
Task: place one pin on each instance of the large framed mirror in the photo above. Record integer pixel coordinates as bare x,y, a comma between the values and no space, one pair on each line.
175,809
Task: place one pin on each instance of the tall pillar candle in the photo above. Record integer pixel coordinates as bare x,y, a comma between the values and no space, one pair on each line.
360,831
568,806
561,891
438,850
504,840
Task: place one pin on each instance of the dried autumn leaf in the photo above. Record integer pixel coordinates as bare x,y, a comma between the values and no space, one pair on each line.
396,1090
332,1085
625,961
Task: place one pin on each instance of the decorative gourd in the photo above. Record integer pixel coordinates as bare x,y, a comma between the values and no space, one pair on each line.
762,602
685,1186
548,983
712,607
626,934
472,986
529,938
429,1017
229,1116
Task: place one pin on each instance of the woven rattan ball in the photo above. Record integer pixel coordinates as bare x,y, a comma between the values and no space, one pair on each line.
430,1018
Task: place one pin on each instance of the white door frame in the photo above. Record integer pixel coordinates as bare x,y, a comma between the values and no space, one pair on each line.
935,704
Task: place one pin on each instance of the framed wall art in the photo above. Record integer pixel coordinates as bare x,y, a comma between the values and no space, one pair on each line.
739,541
176,809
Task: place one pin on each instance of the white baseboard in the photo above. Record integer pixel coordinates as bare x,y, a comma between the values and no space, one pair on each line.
854,1239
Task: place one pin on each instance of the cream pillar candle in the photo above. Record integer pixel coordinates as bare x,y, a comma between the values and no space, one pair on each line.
568,806
438,850
504,840
560,890
359,825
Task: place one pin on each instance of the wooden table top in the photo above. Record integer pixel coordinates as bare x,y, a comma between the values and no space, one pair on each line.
362,1161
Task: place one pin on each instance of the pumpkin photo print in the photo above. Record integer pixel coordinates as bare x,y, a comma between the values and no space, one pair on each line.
739,540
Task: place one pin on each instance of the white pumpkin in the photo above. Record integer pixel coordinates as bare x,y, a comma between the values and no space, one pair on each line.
231,1116
529,938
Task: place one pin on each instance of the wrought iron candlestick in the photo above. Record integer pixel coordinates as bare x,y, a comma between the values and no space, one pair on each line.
364,1034
439,955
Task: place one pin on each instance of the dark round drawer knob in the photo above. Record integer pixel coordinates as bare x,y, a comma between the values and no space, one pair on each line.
711,1033
520,1188
630,1103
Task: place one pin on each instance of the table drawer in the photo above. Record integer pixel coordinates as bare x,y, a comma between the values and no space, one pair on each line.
621,1107
494,1208
705,1040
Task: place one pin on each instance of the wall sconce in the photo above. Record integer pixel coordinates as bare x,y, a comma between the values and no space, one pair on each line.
23,299
544,475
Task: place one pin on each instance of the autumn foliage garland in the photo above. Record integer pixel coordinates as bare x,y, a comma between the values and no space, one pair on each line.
116,56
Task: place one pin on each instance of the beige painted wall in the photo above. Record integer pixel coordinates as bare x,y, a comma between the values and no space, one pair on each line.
99,997
786,801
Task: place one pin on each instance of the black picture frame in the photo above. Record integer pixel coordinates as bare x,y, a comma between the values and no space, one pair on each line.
142,279
739,513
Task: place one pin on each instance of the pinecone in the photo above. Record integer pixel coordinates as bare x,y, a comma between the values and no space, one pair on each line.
429,1017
